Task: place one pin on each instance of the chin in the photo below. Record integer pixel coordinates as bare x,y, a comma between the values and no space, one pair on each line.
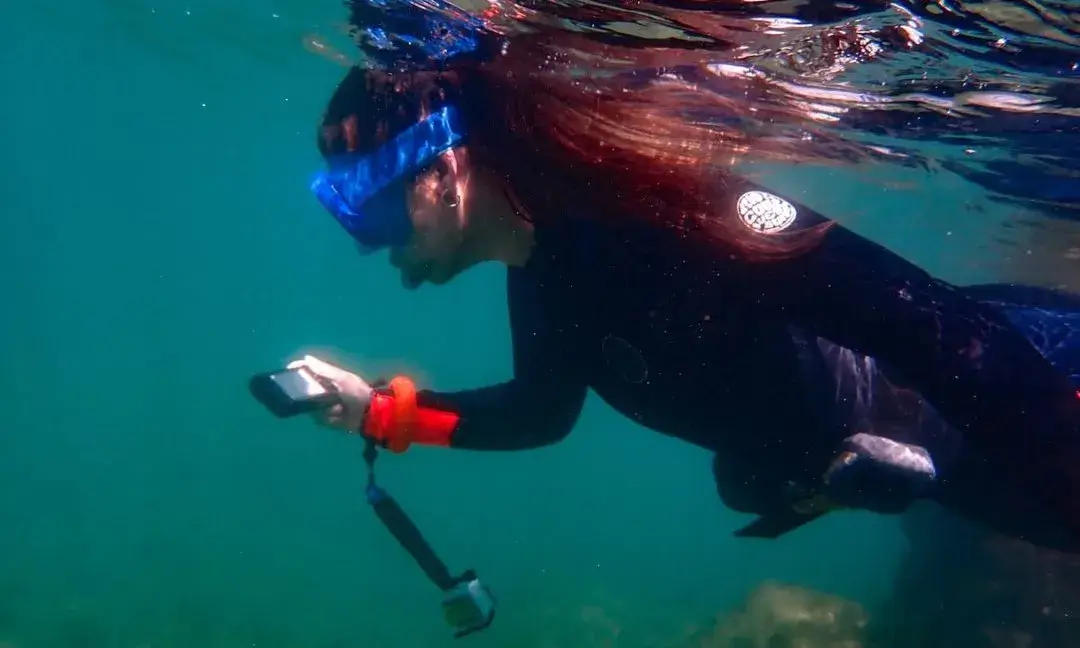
409,283
434,278
441,276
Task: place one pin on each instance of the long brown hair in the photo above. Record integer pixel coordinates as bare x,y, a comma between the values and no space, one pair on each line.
590,129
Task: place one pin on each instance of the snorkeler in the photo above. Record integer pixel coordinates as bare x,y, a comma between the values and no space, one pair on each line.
698,306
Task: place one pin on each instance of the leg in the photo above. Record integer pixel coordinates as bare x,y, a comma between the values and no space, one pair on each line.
746,486
780,505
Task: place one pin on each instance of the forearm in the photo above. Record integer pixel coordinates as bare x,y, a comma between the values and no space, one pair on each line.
515,415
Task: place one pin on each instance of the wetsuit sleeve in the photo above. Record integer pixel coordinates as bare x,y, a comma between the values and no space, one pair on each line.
539,405
978,371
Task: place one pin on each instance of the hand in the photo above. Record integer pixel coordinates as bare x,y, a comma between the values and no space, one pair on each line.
354,390
879,474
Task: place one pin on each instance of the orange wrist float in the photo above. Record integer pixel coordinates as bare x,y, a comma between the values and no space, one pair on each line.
396,421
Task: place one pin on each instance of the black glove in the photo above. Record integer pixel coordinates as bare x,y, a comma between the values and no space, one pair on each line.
879,474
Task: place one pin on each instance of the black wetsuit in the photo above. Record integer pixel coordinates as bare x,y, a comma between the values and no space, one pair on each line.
715,352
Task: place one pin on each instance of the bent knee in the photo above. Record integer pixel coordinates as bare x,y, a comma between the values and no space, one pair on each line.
743,490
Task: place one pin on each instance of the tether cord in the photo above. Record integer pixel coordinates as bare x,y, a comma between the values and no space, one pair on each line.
402,527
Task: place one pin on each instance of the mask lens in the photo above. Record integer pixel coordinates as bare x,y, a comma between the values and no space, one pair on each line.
386,222
366,193
379,222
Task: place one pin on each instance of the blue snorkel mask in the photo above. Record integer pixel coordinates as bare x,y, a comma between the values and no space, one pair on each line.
365,193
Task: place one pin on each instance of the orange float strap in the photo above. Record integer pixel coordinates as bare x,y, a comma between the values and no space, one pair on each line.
395,419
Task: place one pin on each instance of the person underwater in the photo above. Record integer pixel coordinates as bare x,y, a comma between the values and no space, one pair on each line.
702,307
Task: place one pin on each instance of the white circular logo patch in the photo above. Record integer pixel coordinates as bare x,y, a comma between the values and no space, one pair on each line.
765,213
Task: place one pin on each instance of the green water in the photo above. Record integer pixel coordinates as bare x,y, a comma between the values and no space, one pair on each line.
159,246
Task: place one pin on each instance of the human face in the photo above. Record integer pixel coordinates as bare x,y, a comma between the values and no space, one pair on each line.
437,199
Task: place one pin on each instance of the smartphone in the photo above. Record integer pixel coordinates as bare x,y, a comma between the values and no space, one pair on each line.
288,392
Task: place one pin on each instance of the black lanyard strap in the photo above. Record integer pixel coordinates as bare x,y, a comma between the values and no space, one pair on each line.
404,530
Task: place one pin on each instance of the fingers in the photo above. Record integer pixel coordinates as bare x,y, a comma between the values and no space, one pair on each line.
336,416
333,417
321,367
